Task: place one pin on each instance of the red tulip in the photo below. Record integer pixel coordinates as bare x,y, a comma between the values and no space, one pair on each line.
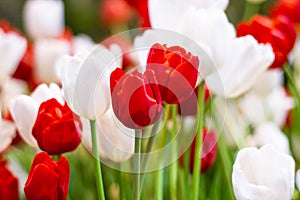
278,31
208,151
56,129
8,184
114,12
288,8
176,72
47,179
141,6
135,96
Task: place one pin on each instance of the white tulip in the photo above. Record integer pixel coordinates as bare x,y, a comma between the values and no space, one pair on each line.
12,49
85,81
115,141
273,107
165,13
24,109
81,43
246,60
269,133
268,81
7,134
46,54
298,179
10,89
263,174
43,18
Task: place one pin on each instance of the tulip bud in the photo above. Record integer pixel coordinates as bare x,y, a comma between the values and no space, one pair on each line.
263,173
176,72
136,99
47,179
56,129
43,18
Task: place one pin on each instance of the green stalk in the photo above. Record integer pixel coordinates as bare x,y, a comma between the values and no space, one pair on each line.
197,158
174,165
159,181
137,164
97,165
122,194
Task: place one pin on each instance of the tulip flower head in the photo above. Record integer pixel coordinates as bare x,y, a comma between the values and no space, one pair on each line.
43,18
47,179
176,71
56,129
263,173
30,105
8,184
12,48
136,98
85,81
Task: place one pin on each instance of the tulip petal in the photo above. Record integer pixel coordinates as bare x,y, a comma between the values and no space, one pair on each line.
24,111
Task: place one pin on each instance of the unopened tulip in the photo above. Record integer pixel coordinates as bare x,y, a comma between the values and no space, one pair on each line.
136,99
48,179
56,129
176,71
85,81
43,18
263,173
12,48
8,184
46,52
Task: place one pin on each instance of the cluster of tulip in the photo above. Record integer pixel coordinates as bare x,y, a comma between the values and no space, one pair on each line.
187,101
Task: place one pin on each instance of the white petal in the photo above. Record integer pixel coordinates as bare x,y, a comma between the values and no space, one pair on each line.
86,82
8,132
12,49
246,60
24,111
270,133
263,174
43,93
43,18
116,141
10,89
46,53
166,14
268,81
82,43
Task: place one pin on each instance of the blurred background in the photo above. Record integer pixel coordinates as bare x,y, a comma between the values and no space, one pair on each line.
83,16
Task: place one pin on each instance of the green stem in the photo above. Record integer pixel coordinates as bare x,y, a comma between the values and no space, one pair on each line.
97,165
227,165
197,158
174,165
122,184
251,9
137,164
159,184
